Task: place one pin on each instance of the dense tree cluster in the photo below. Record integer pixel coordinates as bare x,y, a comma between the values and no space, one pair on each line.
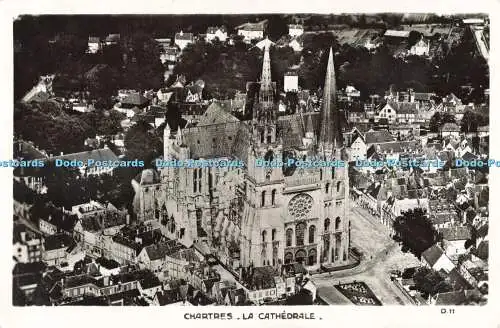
66,188
53,129
430,282
415,231
439,119
143,143
471,121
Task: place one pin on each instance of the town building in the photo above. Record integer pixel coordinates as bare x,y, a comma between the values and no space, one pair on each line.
252,31
291,82
295,30
215,32
183,39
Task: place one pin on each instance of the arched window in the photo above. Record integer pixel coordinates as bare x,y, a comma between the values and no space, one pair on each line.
312,257
289,236
273,196
312,232
263,198
327,224
262,136
300,230
337,223
327,188
264,236
338,186
288,258
263,256
273,234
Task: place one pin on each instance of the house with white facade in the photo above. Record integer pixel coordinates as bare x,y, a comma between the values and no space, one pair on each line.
216,32
252,31
435,258
183,39
295,30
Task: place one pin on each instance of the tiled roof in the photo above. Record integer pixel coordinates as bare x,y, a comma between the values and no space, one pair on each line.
104,220
251,27
58,241
104,154
159,251
378,136
135,99
119,239
214,29
399,34
450,127
451,298
404,107
25,268
113,38
262,278
432,254
423,96
216,114
57,217
168,296
184,36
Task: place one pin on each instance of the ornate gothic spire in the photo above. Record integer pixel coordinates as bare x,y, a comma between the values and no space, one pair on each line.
264,108
330,133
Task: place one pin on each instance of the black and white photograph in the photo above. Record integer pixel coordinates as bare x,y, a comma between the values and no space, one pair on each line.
250,159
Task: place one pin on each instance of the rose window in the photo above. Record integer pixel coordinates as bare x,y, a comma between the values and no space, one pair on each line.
300,206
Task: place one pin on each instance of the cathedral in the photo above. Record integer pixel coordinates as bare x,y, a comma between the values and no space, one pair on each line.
253,215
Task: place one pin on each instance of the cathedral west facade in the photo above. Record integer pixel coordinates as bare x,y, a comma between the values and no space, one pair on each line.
248,214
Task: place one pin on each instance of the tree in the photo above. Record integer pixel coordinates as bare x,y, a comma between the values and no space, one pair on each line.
413,38
303,297
415,230
429,282
439,119
141,144
471,121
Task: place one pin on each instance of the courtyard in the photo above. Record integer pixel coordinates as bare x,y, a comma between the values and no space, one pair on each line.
381,255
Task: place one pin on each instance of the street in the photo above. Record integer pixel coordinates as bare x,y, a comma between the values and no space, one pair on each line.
381,255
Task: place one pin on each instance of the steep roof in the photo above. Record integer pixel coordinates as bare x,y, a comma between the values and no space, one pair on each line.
214,29
372,137
455,233
451,298
159,251
135,99
104,154
58,241
432,254
184,36
216,113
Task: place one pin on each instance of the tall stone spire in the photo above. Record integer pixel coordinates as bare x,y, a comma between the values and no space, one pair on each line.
264,110
266,92
329,137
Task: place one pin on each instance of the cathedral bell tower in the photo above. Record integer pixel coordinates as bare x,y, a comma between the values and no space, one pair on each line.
264,177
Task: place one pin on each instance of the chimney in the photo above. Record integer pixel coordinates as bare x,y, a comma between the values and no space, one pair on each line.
105,281
128,219
23,236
